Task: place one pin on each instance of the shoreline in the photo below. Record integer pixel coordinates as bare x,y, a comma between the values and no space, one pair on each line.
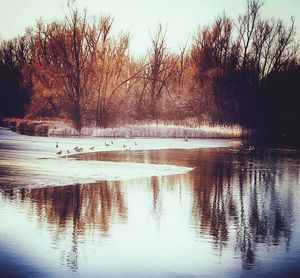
50,161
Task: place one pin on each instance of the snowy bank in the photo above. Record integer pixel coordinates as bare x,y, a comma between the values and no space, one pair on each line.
34,162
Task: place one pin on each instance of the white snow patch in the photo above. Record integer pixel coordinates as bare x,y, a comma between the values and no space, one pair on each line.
67,171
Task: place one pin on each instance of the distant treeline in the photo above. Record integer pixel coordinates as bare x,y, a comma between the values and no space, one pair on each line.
244,71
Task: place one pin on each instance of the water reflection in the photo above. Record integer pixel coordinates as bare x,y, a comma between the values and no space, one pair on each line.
74,209
253,194
89,206
243,201
155,187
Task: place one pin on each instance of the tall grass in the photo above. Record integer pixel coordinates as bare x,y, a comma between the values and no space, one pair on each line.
168,131
184,129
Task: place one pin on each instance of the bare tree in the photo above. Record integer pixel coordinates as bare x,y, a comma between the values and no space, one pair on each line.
158,72
114,74
63,66
212,57
265,45
246,27
279,47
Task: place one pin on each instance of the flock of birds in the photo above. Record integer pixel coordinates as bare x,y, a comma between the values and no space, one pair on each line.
78,150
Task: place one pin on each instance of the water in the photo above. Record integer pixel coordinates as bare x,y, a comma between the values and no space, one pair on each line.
236,214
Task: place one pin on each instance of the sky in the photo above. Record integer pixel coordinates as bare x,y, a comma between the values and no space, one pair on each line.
141,17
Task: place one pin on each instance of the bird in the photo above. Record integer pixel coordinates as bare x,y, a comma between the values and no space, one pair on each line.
124,146
135,143
68,151
56,144
76,148
59,153
112,142
80,150
92,148
106,144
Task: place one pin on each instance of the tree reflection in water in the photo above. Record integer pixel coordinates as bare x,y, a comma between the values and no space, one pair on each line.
247,194
155,187
75,209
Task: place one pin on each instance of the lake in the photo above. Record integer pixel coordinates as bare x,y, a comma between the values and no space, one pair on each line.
235,214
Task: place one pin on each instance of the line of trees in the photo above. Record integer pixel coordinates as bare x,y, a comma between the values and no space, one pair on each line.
243,71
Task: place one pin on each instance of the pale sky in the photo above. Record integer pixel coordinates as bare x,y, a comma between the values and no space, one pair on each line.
182,17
